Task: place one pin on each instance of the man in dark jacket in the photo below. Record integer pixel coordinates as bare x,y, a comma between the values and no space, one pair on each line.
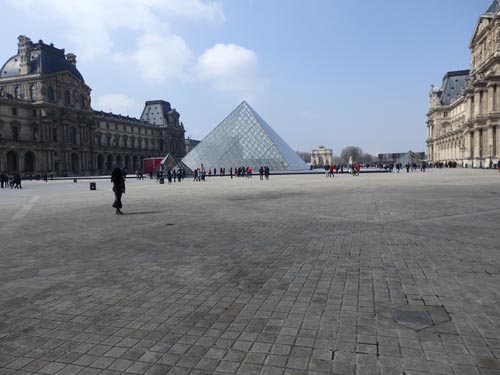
118,182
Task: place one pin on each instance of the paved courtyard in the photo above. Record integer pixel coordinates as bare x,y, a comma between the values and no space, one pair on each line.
377,274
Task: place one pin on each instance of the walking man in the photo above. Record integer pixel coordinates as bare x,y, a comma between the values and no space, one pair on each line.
118,182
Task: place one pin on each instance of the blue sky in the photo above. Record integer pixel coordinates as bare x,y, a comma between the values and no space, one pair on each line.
330,72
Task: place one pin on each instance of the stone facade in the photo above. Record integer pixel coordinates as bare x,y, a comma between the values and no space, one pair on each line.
464,114
321,156
47,124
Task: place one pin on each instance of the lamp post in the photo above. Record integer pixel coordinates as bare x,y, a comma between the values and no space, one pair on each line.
462,149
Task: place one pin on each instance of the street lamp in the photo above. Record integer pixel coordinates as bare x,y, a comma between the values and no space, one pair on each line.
462,149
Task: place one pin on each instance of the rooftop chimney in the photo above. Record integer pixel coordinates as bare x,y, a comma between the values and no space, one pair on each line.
24,51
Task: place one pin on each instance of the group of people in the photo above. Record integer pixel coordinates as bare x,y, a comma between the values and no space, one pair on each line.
332,169
176,175
201,173
139,174
243,172
264,171
222,171
13,182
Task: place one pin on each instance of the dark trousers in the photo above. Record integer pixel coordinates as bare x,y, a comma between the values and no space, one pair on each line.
118,198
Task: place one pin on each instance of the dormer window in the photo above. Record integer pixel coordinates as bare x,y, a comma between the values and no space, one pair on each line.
17,92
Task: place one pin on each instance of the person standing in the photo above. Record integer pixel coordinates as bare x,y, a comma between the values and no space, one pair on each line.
118,182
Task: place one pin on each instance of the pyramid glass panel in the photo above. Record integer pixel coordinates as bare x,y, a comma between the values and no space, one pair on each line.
244,139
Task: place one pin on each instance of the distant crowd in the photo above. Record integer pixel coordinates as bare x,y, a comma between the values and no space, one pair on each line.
14,182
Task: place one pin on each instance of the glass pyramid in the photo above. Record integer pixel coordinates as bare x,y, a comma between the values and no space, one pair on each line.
244,139
170,162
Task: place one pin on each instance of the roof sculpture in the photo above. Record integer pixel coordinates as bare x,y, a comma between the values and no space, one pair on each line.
39,58
244,139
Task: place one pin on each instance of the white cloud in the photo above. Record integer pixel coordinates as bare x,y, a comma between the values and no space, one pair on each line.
231,68
135,36
118,104
157,57
90,25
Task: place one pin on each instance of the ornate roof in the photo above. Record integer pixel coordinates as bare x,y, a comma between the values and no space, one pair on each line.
43,59
495,7
453,84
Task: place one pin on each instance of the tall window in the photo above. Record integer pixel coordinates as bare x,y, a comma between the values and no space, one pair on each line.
66,97
50,93
17,92
54,134
72,135
33,92
15,133
82,102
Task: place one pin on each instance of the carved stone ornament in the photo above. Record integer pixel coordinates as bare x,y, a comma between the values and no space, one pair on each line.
484,22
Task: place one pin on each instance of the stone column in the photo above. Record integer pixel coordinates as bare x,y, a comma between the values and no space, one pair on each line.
20,163
489,142
477,104
3,161
470,147
497,142
491,99
475,148
468,108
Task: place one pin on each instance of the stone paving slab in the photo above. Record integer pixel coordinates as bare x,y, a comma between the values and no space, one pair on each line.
295,275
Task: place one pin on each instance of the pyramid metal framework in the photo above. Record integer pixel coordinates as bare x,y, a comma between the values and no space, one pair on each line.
170,162
244,139
409,158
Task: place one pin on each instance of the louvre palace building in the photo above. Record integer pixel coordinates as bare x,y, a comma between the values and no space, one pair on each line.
464,114
48,126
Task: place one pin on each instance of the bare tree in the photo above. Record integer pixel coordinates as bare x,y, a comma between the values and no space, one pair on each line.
357,155
306,156
353,152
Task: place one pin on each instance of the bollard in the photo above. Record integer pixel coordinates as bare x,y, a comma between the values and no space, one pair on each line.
92,186
74,180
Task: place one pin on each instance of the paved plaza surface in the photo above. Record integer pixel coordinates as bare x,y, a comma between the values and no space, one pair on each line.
376,274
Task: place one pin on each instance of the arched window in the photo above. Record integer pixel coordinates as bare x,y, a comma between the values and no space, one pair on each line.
33,92
17,92
50,93
66,97
72,135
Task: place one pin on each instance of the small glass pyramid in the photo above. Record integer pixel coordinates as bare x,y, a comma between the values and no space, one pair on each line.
244,139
